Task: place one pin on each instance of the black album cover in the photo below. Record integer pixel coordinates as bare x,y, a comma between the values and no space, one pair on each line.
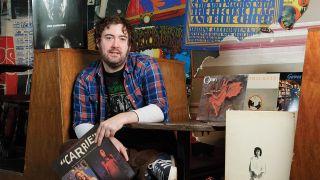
59,24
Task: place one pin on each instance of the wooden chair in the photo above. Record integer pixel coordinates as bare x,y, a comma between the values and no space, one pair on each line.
49,123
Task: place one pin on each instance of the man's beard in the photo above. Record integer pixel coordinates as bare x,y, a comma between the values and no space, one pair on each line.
114,65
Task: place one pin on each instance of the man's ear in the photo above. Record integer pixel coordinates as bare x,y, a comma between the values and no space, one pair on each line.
97,43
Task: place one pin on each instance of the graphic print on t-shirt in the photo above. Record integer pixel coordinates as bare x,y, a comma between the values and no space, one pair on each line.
118,100
116,96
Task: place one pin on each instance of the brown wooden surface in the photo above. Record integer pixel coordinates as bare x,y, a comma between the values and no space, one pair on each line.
175,82
49,119
49,111
189,125
306,160
70,65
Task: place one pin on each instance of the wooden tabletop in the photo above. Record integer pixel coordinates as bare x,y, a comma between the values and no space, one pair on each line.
189,125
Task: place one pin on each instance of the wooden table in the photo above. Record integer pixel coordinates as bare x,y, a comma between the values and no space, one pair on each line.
183,130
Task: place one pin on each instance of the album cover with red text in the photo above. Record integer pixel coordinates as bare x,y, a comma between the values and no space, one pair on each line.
219,94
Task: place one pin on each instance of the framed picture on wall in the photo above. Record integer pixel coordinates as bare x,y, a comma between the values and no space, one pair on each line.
59,24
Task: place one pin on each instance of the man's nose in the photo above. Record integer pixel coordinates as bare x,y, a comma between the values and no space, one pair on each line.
115,42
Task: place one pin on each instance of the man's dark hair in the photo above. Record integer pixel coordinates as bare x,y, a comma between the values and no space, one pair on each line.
107,21
255,151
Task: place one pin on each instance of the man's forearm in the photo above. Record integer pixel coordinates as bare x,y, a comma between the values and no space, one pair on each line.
149,113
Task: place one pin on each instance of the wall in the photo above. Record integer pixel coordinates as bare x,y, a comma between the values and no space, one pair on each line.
280,51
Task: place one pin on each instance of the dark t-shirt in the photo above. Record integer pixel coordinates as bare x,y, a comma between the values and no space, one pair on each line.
116,96
117,102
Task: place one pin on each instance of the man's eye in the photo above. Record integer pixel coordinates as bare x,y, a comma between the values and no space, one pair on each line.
123,39
109,37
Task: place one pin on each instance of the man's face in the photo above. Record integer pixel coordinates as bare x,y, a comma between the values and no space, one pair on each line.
114,47
288,18
258,153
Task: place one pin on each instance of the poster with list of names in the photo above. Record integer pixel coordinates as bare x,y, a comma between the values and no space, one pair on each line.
208,22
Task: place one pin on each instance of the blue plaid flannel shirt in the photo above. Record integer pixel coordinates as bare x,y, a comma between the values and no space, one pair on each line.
143,83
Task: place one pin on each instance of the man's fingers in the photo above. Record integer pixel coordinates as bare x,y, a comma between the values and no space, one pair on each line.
100,136
104,130
124,152
112,133
97,133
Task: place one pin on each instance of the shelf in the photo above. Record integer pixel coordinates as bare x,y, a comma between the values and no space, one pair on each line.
15,165
15,99
14,68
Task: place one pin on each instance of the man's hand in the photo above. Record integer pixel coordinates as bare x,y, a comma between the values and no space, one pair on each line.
120,147
109,127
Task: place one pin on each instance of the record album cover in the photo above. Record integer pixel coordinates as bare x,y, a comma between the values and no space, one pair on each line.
262,92
259,145
86,159
221,93
289,91
59,24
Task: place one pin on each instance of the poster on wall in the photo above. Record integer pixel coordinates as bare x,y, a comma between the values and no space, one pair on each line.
292,10
8,81
111,7
159,29
146,11
23,38
207,23
16,21
59,24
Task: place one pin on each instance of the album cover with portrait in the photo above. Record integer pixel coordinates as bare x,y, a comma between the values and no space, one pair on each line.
87,160
262,92
219,94
259,144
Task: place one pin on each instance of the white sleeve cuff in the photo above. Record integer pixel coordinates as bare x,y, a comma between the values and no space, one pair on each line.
82,129
150,113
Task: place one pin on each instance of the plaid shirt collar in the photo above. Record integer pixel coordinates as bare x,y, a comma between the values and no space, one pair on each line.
128,66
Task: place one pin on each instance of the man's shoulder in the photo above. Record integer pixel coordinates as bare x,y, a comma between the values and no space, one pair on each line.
90,70
139,58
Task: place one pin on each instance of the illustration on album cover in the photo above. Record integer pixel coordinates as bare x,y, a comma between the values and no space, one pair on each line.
219,94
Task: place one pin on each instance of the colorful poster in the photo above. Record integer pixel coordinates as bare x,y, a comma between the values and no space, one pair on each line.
208,22
146,11
292,10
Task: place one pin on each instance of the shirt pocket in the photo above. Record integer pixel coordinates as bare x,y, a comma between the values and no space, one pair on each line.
93,98
137,92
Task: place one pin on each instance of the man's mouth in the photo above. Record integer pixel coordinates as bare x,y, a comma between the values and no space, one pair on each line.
114,53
